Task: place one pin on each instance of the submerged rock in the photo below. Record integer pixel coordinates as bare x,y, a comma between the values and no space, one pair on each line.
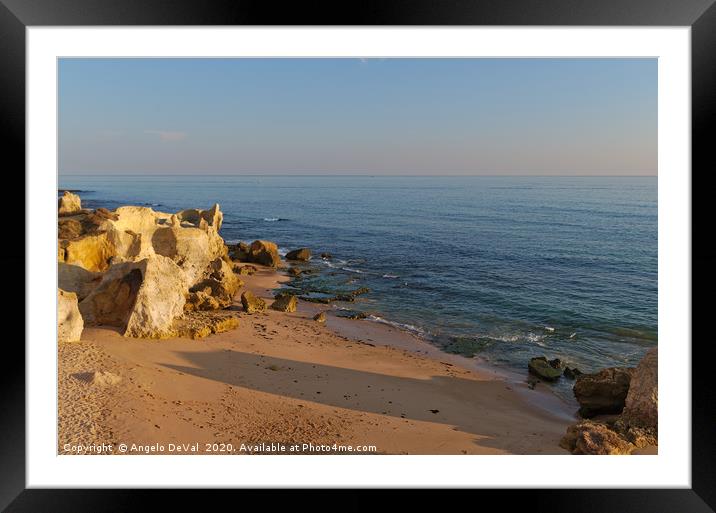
353,315
326,256
320,317
602,392
572,373
302,254
544,369
69,204
141,298
285,303
265,253
251,303
294,271
69,319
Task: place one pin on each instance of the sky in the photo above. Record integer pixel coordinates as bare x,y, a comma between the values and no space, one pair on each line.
358,116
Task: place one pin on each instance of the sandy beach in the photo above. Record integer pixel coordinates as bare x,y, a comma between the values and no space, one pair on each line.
285,379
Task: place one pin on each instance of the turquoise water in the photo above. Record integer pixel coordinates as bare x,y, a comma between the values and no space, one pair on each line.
504,268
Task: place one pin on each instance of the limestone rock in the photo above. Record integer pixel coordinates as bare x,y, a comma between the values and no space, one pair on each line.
320,317
265,253
642,400
91,252
221,282
286,303
69,204
589,437
602,392
69,319
142,298
544,369
101,378
198,325
302,254
69,228
244,270
251,303
73,278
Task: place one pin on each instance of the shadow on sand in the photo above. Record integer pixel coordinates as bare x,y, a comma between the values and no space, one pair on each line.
486,409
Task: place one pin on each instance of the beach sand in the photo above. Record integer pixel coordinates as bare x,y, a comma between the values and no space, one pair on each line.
285,379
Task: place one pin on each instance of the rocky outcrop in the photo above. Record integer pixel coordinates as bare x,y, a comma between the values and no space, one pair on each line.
73,278
251,303
285,303
265,253
198,325
549,370
220,283
141,298
635,427
69,204
301,254
92,252
69,319
589,437
602,392
642,400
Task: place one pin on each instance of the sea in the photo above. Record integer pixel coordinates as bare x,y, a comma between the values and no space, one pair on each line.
496,268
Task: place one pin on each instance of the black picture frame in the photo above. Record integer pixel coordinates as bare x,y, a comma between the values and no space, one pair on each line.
700,15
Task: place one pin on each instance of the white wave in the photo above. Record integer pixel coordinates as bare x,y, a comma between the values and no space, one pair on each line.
391,276
406,327
549,328
271,219
351,270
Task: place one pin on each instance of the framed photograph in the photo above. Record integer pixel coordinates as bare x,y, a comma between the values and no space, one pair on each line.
429,247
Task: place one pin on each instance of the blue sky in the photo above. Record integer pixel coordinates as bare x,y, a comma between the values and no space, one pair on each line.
358,116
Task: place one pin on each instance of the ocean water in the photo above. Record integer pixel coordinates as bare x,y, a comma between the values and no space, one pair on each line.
499,268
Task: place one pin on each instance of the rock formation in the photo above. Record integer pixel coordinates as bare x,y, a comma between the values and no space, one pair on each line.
264,252
602,392
320,317
69,204
285,303
641,405
302,254
549,370
69,320
593,438
141,298
251,303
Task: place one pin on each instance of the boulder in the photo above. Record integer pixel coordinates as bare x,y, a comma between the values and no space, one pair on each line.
326,256
286,303
353,315
602,392
642,400
240,251
141,298
201,300
589,437
244,270
320,317
251,303
69,204
73,278
265,253
302,254
544,369
69,228
219,282
294,271
69,319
